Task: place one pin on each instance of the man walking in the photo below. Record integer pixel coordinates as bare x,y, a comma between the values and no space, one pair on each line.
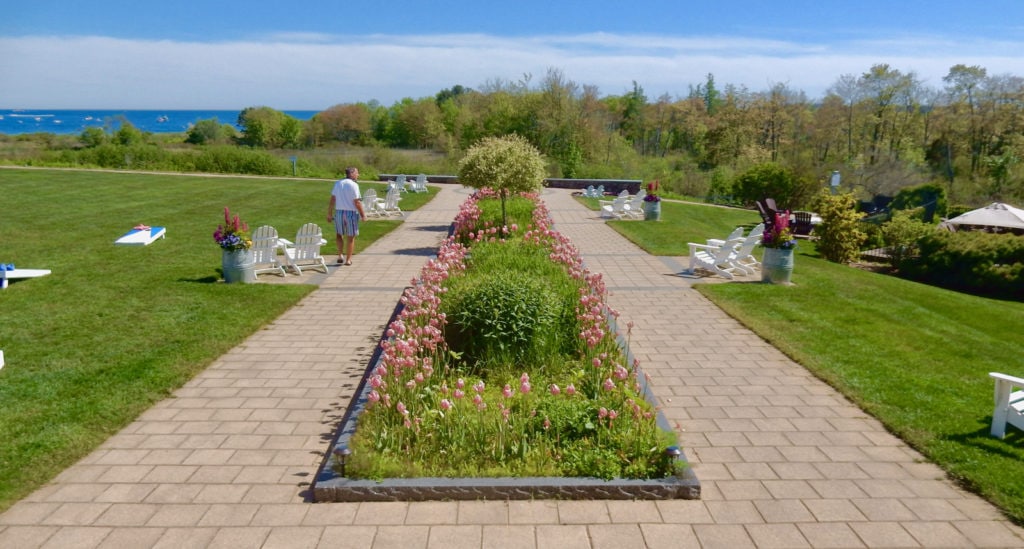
346,211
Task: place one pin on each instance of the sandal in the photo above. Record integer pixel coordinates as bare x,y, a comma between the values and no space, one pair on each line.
348,263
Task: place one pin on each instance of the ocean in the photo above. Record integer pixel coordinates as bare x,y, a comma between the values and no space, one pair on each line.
21,121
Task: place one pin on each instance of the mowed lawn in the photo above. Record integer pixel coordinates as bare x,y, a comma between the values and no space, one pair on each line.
914,356
114,328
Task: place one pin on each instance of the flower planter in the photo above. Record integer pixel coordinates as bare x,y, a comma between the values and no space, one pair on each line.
652,211
777,266
238,266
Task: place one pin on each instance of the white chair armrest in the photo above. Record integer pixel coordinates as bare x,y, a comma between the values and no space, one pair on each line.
1016,381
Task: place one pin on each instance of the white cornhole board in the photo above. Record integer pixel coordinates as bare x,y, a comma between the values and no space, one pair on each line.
143,237
21,273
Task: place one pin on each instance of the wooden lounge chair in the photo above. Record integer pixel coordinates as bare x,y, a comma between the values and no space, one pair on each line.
265,245
306,249
1009,404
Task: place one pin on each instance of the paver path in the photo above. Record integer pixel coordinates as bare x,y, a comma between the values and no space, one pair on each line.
784,461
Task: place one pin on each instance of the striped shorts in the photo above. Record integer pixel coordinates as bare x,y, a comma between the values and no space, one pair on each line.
346,222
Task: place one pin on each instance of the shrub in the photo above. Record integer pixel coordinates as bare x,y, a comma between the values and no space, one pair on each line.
508,164
931,198
839,235
900,235
975,262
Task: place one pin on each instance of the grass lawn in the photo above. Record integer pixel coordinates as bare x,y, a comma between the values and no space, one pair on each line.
115,329
914,356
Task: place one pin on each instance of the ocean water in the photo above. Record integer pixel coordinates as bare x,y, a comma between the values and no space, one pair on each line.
20,121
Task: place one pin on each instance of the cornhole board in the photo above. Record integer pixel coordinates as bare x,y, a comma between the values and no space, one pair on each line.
141,237
20,273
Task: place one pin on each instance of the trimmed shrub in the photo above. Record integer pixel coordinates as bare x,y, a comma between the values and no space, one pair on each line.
974,262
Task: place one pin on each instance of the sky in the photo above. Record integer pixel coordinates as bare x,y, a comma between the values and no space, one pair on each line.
219,54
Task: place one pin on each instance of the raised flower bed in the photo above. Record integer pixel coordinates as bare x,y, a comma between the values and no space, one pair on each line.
484,387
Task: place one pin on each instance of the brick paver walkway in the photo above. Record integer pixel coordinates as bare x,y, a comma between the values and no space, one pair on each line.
784,461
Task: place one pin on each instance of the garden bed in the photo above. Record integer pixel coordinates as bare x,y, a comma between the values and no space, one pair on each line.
575,419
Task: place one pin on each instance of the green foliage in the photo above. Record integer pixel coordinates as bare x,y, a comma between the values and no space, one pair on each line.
227,159
516,310
204,132
931,198
970,261
770,180
839,234
900,235
93,137
268,128
508,164
128,135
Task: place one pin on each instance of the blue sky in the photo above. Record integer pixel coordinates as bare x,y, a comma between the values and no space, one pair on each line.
214,54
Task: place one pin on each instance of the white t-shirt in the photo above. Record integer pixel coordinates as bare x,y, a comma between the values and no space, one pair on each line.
346,192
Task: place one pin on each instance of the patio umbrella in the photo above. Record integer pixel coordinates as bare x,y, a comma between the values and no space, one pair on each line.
995,214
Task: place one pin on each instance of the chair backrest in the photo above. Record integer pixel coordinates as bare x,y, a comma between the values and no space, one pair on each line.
264,244
770,204
736,233
369,197
400,181
758,230
590,191
600,190
307,242
747,246
391,200
624,192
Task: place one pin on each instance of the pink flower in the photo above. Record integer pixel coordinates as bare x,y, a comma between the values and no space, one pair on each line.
507,391
401,408
460,383
570,389
555,391
609,384
602,413
524,387
612,414
547,424
446,404
374,396
479,386
458,394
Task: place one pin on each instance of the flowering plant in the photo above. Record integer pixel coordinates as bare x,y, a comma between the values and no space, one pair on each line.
652,195
233,234
779,235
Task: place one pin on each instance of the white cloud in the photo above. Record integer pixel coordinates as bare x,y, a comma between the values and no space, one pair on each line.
315,71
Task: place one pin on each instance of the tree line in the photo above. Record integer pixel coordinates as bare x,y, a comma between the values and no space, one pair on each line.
883,130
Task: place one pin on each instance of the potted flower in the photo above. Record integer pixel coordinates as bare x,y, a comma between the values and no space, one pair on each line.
234,240
778,242
652,202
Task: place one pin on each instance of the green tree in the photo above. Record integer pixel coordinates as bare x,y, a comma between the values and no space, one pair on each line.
901,234
839,237
508,164
93,137
128,134
204,132
772,180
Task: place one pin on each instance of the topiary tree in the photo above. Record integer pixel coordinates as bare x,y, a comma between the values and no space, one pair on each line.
839,237
508,164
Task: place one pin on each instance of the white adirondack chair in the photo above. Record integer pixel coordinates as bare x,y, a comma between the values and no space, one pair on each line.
372,205
613,208
634,207
390,204
744,259
589,192
1009,408
265,244
401,183
715,259
420,185
736,234
305,251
